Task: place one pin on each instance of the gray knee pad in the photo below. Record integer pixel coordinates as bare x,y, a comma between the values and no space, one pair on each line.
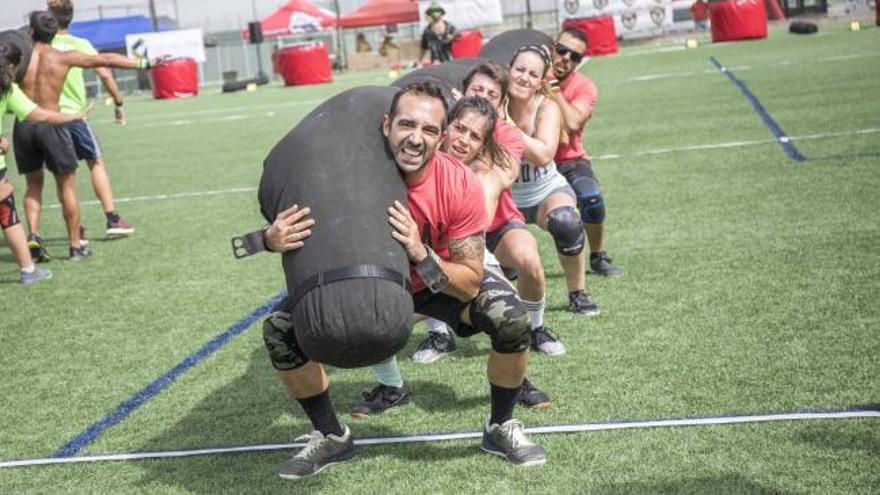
499,312
589,199
565,227
279,338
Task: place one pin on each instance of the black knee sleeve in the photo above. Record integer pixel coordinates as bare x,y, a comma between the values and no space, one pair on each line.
280,341
565,227
8,215
589,199
499,312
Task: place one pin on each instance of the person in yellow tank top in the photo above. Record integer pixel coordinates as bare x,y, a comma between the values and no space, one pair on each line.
73,100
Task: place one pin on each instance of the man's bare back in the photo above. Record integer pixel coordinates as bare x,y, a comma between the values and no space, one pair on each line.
48,69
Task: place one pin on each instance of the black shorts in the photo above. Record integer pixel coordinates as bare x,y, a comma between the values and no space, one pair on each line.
494,237
36,144
579,167
442,307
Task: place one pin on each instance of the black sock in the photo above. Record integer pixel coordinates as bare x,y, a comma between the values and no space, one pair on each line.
503,402
320,412
112,216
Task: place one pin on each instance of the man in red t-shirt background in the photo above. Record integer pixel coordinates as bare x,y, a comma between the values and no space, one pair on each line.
576,96
700,13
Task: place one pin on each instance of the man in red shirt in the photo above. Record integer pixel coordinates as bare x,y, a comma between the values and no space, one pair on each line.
700,13
442,233
576,96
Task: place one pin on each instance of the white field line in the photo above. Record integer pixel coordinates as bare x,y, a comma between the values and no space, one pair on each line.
162,197
738,144
135,119
609,156
573,428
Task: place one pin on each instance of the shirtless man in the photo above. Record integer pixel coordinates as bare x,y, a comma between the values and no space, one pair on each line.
36,144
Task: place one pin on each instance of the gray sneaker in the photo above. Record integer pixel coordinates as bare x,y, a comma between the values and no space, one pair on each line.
510,441
434,347
603,266
546,342
321,452
35,276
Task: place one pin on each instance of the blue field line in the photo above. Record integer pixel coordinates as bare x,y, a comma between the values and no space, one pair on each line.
787,145
128,406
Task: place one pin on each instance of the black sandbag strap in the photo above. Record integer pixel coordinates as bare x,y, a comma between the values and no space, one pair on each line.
347,273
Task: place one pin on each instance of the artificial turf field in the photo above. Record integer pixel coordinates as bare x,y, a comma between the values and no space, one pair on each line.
751,286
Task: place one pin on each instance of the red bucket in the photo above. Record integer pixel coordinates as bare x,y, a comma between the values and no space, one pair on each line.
468,44
600,33
738,20
176,78
305,64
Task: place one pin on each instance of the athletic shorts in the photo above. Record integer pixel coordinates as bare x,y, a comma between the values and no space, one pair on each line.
85,143
494,237
573,169
36,144
531,213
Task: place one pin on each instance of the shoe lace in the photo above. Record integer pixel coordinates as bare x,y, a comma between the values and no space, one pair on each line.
513,431
315,441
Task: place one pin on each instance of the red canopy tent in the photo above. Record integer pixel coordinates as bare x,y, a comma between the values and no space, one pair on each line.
295,17
381,12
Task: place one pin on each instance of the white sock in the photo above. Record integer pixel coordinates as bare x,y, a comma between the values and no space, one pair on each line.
388,373
536,312
29,268
436,326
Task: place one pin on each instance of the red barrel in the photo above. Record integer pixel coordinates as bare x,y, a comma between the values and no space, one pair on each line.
468,44
305,64
738,20
600,33
176,78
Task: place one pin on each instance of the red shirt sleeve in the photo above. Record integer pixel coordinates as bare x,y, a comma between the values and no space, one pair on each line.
509,138
583,93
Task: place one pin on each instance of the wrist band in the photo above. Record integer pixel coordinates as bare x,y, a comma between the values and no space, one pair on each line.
143,63
250,243
430,271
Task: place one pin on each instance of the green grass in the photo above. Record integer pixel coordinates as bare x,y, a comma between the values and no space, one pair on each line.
751,286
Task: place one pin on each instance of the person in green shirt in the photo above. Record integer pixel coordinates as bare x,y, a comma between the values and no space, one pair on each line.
13,100
73,100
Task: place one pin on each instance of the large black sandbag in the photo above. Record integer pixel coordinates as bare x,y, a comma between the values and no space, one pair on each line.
501,48
448,75
20,39
802,27
336,162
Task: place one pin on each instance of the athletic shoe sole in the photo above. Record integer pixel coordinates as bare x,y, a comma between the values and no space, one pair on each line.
540,405
488,450
586,313
432,359
541,351
119,232
325,466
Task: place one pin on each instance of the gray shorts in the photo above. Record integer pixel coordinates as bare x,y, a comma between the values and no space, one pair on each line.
531,213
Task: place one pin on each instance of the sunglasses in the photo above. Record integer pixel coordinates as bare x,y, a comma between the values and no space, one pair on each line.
574,56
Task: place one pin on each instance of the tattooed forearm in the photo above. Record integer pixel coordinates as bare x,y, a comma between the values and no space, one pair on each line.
469,248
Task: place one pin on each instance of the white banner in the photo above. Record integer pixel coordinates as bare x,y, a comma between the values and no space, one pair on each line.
465,14
186,43
632,18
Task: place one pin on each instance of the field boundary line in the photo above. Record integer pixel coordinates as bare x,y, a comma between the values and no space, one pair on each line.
787,145
128,406
435,437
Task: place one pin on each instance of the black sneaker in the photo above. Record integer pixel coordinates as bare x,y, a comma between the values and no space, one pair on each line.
532,396
320,453
379,399
80,253
579,302
509,441
38,249
546,342
602,265
434,347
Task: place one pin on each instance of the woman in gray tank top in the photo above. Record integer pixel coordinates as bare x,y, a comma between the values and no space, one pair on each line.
541,193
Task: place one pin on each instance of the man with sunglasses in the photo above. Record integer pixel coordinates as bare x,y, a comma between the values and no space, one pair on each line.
576,96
